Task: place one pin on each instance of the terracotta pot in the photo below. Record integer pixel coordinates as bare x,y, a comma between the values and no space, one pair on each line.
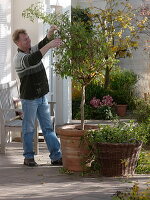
74,152
121,110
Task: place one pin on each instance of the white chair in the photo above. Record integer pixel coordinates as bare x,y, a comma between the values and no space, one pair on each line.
9,122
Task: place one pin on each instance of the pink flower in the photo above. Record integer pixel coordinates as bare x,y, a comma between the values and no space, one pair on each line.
95,102
106,101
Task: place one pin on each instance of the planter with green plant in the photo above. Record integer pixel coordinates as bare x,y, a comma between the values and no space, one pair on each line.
116,148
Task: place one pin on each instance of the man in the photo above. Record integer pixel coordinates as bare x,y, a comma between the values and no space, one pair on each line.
33,88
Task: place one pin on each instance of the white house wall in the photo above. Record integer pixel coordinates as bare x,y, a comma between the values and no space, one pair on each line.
140,61
88,3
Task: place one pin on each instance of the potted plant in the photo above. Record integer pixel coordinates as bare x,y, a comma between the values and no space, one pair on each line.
81,57
122,84
116,147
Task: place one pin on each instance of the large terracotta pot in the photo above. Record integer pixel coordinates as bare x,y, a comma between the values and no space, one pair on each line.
121,110
74,152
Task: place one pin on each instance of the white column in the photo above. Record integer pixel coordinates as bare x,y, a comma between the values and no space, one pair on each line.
63,101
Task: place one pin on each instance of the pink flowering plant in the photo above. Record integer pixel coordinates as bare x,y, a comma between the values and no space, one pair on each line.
103,109
106,101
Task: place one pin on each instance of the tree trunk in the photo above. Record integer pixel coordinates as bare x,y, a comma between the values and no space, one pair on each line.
82,107
107,77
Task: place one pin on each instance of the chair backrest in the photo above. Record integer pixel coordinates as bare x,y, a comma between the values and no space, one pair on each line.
7,92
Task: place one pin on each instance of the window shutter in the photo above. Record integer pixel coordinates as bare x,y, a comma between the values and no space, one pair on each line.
5,41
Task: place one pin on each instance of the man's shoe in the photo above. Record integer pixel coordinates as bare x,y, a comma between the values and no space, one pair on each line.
30,162
57,162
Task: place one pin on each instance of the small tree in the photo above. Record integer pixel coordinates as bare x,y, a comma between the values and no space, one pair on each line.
121,24
84,53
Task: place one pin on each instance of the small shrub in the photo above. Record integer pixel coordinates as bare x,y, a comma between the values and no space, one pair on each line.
143,164
134,194
142,110
120,132
76,114
122,84
96,90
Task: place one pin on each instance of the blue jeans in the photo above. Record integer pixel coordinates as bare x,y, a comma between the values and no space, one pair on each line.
38,108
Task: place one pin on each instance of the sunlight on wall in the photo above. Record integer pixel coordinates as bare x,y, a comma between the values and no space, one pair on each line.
63,3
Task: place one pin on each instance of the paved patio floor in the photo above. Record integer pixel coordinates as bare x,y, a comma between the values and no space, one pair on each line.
48,183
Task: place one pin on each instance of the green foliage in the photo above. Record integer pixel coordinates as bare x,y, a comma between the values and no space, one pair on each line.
143,165
120,132
83,53
104,113
142,114
76,109
101,113
122,79
147,130
121,88
96,90
142,110
82,15
122,85
135,193
63,170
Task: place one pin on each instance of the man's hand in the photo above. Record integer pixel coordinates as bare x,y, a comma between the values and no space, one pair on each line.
51,31
52,44
55,43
